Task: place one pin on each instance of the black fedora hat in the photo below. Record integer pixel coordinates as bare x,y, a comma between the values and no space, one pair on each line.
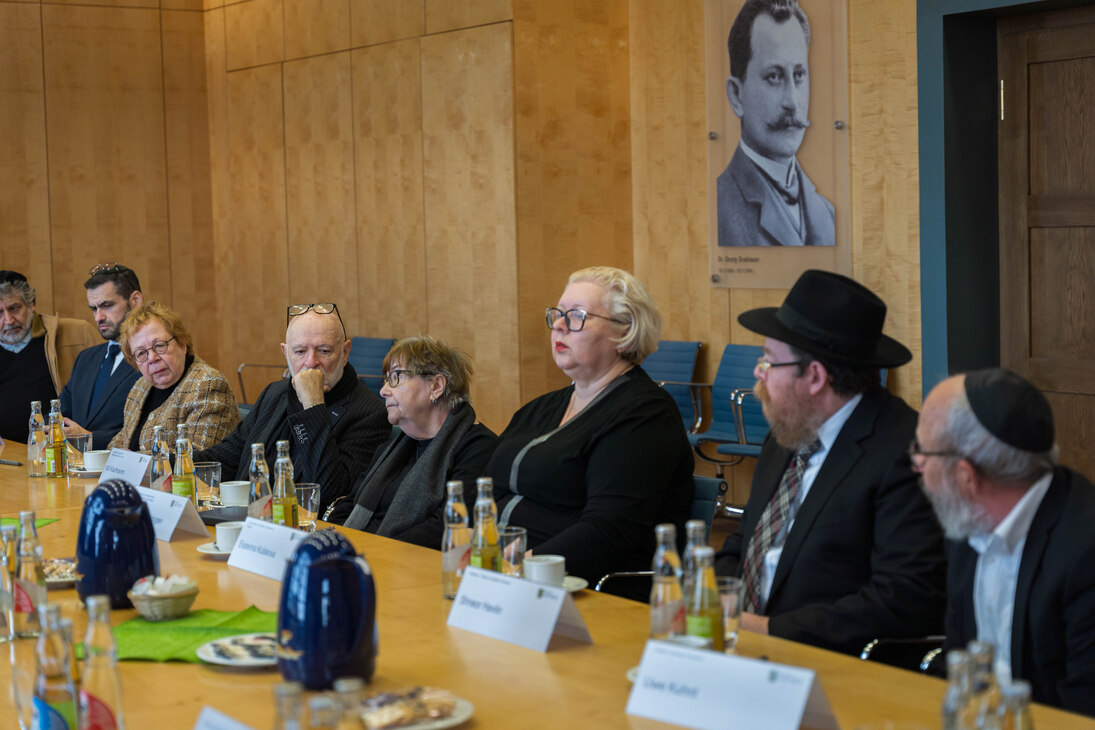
831,316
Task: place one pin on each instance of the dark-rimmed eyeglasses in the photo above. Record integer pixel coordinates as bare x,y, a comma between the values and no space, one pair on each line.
159,347
295,310
575,319
111,268
394,377
764,365
915,450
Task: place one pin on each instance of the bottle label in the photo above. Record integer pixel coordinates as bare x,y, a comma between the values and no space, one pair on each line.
667,619
455,559
702,626
27,596
279,514
95,714
182,485
162,484
53,716
35,448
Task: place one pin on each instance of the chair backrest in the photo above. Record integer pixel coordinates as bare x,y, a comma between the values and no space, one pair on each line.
366,355
675,360
736,372
705,498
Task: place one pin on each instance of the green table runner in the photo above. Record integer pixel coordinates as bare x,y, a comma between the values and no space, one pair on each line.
39,523
177,640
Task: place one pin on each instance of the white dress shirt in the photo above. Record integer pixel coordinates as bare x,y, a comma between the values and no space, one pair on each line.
827,436
999,554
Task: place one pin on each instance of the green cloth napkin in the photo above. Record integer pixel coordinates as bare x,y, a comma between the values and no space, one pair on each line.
39,523
178,639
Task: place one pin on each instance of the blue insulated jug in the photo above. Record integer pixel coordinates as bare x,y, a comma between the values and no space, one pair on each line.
327,615
116,544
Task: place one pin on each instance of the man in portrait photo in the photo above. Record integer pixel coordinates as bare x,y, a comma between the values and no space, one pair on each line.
764,196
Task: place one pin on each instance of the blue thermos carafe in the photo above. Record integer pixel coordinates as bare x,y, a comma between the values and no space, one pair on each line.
116,544
327,616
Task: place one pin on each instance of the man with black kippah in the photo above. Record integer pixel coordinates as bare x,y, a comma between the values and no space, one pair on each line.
837,544
1021,533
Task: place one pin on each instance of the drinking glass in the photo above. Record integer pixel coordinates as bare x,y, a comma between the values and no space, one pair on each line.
730,595
307,505
513,542
77,445
208,474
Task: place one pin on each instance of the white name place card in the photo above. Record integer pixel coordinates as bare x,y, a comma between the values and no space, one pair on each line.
265,548
127,465
171,514
211,719
710,690
515,611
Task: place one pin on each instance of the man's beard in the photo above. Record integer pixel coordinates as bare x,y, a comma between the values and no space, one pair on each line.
13,335
794,425
960,518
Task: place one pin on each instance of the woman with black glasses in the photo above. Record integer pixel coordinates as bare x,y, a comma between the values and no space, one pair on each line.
590,469
402,494
176,386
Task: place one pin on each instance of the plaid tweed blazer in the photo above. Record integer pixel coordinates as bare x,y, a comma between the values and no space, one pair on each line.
203,400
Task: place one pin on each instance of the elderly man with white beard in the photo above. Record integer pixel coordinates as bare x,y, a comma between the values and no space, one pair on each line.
1020,533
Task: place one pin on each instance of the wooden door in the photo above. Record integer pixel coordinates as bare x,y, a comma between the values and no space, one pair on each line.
1047,216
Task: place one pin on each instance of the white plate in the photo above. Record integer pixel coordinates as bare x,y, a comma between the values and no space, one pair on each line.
633,674
573,583
210,548
235,651
69,578
84,474
461,712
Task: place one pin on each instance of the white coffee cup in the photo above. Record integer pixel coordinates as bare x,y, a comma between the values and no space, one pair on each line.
95,460
235,494
227,534
547,569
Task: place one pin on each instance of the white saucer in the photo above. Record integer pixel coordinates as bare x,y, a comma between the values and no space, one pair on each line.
210,548
573,583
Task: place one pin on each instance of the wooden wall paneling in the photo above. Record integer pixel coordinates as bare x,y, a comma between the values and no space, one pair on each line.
391,264
212,4
382,21
319,169
24,180
313,27
253,302
111,3
188,184
468,149
254,32
105,131
198,5
885,223
445,15
573,160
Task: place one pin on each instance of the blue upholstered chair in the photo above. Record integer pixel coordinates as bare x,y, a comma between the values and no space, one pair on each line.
737,422
673,366
366,356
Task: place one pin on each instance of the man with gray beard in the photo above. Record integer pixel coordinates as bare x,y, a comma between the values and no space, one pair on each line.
1021,543
838,545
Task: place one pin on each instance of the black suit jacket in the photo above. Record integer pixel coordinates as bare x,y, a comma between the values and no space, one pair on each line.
864,558
104,420
1053,621
330,443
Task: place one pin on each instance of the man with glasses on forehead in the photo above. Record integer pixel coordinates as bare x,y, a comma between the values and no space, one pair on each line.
37,353
93,400
1019,527
332,421
837,545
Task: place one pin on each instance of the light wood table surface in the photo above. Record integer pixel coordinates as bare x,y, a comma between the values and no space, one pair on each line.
580,685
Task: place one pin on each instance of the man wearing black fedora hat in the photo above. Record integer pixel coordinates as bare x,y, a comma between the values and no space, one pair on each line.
1021,545
838,545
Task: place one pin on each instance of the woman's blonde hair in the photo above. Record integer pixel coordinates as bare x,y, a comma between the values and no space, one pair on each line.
626,299
426,355
144,314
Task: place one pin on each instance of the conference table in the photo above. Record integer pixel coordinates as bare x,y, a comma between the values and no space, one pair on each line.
509,686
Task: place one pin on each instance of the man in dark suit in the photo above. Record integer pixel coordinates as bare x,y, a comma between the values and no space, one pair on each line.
764,196
837,545
93,400
333,422
1021,533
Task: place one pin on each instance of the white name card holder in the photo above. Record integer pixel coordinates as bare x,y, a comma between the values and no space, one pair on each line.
709,690
516,611
265,548
211,719
126,465
172,514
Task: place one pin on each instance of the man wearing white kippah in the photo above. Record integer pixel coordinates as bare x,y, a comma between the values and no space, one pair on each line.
1021,543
